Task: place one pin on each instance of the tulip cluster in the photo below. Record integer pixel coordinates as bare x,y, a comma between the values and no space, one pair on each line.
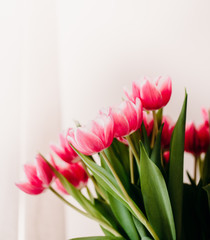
73,171
141,154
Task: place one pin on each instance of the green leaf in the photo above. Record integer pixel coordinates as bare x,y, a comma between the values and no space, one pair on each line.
156,198
106,211
116,164
205,176
104,178
145,139
124,217
156,152
196,218
135,138
98,238
191,180
140,228
122,152
122,214
175,178
75,193
207,189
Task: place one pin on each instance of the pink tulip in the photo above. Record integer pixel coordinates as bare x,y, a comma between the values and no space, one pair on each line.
127,118
167,131
197,139
153,95
37,182
94,137
75,174
65,151
148,122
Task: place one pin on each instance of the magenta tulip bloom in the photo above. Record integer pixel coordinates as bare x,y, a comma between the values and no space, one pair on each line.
153,95
39,177
94,137
167,131
65,151
197,139
127,118
75,174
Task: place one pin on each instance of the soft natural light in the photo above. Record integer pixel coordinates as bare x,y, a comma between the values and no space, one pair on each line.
63,60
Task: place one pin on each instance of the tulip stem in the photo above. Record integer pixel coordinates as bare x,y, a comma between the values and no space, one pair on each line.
89,194
130,202
155,129
102,223
97,188
68,203
133,148
195,168
131,165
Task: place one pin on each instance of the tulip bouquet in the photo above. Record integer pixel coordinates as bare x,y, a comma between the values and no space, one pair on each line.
133,154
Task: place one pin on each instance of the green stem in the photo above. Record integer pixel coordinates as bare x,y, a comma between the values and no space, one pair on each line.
195,168
133,206
89,194
133,148
155,128
102,223
131,165
97,188
68,203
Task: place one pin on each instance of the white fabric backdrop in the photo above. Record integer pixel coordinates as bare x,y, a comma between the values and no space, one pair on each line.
63,60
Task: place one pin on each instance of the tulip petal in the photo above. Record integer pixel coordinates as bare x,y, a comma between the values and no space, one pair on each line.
128,94
121,126
60,187
205,117
88,142
29,188
150,96
31,174
136,90
190,138
139,111
165,89
108,129
45,172
130,113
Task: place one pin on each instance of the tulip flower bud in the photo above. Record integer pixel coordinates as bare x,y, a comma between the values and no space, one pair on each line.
127,118
153,95
65,151
39,177
75,174
94,137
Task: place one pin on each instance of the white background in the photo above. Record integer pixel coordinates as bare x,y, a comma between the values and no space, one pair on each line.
63,60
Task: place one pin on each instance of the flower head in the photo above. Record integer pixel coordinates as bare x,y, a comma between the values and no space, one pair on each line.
39,177
127,118
167,131
197,138
74,173
94,137
153,95
65,151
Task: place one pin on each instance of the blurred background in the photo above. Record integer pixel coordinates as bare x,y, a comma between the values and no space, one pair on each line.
62,60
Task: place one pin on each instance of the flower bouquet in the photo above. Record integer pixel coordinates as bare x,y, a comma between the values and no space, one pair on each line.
133,154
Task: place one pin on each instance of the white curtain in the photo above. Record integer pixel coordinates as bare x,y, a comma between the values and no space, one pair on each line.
63,60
